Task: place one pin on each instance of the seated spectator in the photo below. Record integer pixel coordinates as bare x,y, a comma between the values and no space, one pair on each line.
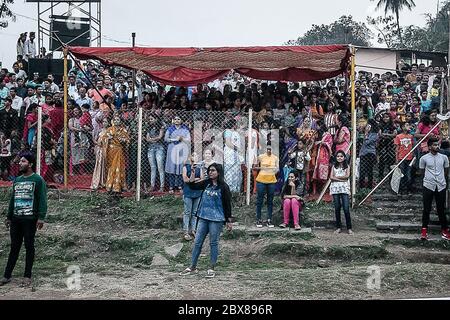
292,198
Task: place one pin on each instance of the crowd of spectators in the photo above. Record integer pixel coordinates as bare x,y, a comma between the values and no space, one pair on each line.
312,120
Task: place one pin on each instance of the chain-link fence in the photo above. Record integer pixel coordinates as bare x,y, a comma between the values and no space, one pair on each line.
103,149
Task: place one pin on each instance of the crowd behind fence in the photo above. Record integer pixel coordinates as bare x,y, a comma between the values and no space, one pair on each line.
305,123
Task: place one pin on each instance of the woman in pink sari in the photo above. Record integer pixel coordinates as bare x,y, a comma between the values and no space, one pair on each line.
322,167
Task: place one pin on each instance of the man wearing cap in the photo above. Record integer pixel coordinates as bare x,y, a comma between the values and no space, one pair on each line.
26,214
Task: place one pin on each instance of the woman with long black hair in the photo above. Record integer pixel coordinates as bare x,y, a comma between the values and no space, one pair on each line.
213,212
386,148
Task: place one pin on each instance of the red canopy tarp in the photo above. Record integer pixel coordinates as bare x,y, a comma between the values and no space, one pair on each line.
190,66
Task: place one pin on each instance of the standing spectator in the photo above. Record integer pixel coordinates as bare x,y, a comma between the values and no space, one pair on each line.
21,44
179,139
343,137
4,92
192,171
265,184
20,73
79,142
232,157
435,179
30,125
48,149
155,136
404,143
367,154
5,156
57,119
30,47
386,150
101,93
383,105
72,88
425,125
8,118
340,190
83,98
16,100
26,213
118,139
214,211
101,145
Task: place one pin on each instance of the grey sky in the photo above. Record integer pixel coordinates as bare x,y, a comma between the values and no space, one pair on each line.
206,23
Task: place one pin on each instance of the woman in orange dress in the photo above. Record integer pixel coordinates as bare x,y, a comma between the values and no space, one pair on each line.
118,138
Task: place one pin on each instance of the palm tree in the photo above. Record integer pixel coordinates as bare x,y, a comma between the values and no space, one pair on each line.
395,6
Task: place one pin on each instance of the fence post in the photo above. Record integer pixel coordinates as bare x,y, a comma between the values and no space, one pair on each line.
66,120
39,141
139,157
249,153
353,110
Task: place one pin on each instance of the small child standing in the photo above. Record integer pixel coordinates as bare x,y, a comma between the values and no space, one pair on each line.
404,142
340,190
299,158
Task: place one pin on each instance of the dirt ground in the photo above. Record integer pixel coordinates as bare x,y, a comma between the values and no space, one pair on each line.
125,250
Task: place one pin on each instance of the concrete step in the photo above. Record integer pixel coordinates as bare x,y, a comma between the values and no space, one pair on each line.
386,216
405,227
395,198
410,239
400,205
254,231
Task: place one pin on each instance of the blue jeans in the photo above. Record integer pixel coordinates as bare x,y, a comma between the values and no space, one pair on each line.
190,211
342,200
156,159
204,227
175,181
261,190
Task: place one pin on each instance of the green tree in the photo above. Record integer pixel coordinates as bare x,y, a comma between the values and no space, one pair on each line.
343,31
395,6
433,37
5,10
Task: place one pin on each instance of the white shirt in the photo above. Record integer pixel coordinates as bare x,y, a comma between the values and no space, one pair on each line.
434,166
30,49
6,148
17,103
54,88
73,92
386,106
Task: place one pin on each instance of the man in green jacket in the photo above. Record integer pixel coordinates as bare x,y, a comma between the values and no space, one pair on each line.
26,214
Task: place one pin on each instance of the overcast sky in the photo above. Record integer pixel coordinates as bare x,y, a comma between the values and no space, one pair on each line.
206,23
